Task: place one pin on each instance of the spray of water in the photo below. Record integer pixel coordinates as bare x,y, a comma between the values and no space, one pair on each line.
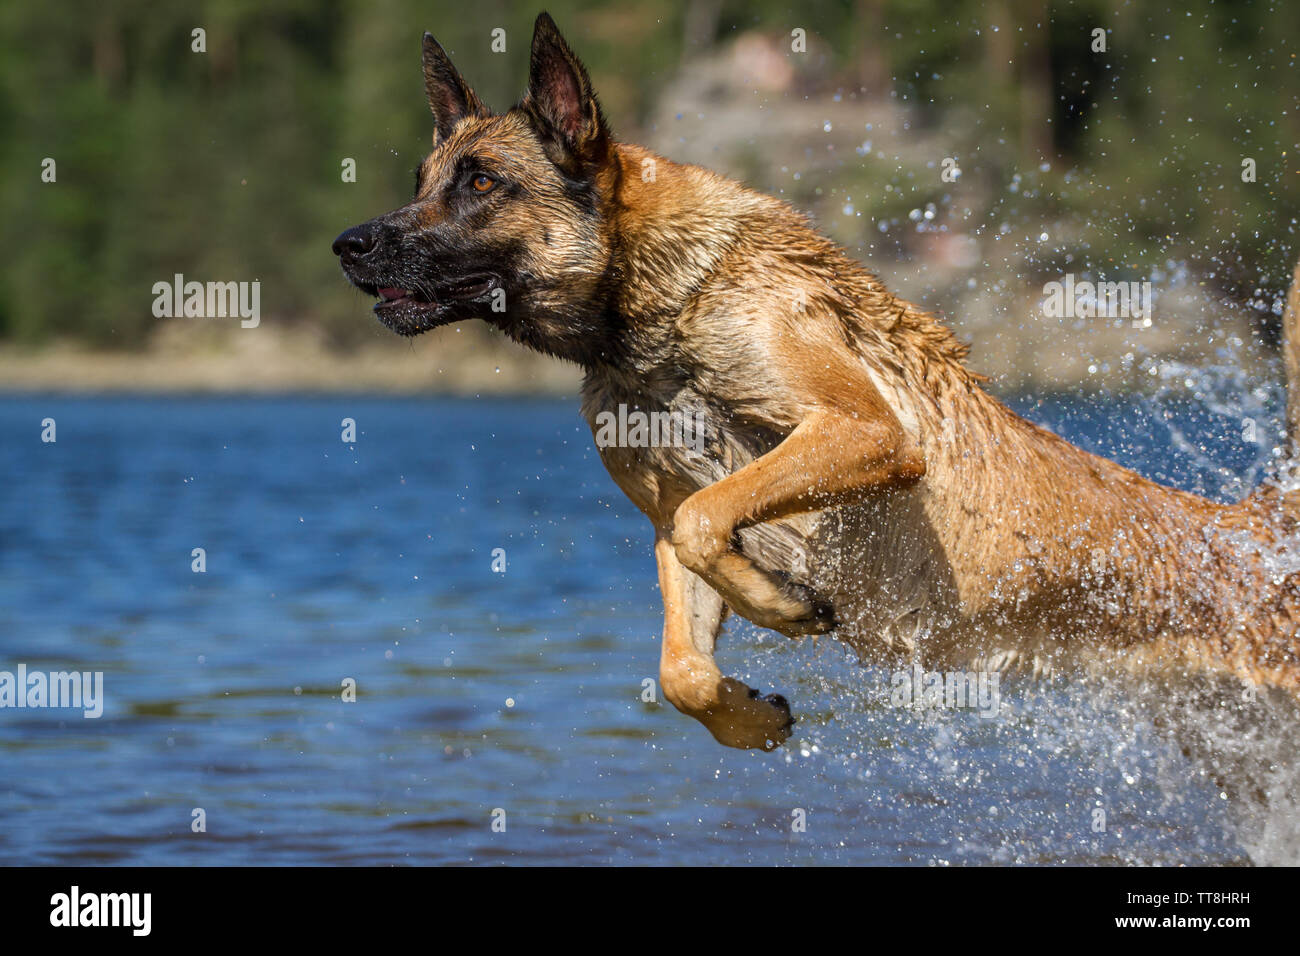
1083,767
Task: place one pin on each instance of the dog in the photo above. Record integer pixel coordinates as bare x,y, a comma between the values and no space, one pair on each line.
853,475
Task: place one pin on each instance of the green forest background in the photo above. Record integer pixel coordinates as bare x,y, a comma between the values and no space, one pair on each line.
226,164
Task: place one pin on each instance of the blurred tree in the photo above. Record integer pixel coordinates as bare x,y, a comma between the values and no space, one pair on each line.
226,164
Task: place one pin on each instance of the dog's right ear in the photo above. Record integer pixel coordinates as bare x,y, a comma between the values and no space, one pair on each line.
450,98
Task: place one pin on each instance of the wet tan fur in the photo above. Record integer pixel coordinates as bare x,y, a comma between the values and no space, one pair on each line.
856,475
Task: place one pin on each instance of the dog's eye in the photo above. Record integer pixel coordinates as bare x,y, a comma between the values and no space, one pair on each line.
482,183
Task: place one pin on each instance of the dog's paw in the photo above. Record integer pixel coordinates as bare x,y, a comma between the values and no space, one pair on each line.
816,614
770,599
748,720
794,610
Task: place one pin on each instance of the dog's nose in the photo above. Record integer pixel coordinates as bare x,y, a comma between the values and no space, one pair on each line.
355,242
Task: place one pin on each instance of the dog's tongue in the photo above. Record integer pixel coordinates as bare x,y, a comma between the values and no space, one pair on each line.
389,293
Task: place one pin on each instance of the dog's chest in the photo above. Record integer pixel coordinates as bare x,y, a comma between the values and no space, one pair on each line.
663,440
875,561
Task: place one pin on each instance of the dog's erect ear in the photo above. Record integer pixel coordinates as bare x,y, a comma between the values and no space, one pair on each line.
561,102
450,98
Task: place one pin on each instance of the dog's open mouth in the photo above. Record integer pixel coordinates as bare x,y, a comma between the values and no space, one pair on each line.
412,311
466,289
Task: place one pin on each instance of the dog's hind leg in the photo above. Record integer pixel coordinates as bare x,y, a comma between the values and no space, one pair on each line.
736,715
831,458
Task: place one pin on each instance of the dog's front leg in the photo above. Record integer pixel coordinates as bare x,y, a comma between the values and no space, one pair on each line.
831,458
736,715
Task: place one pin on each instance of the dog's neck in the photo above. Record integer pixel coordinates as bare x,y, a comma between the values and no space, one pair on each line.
664,256
664,260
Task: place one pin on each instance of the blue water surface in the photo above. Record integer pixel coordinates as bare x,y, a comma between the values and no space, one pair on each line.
479,691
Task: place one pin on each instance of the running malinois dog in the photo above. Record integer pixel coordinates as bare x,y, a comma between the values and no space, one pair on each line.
852,476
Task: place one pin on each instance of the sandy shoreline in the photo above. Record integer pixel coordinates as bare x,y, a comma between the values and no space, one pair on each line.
269,360
190,356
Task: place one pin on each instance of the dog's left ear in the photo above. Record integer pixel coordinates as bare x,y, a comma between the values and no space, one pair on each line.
562,103
450,98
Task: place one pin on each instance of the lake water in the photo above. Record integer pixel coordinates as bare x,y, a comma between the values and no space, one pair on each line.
480,691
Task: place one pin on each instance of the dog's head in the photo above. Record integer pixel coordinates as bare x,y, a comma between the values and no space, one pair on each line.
508,220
